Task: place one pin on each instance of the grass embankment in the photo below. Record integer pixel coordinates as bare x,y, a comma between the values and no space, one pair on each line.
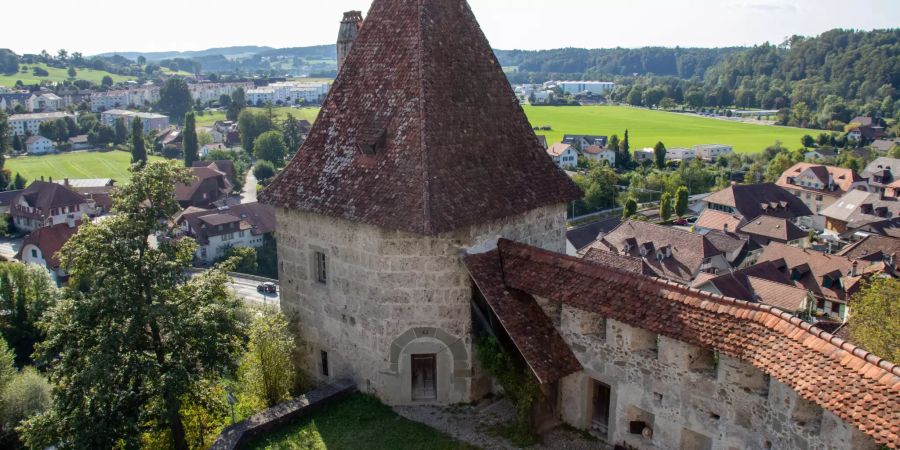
360,422
57,75
112,164
280,113
647,127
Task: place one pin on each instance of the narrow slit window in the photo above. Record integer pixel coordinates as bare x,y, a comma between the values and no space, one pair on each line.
321,268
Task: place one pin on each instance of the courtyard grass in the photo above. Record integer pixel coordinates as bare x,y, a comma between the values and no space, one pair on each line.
647,127
360,422
280,113
110,164
57,75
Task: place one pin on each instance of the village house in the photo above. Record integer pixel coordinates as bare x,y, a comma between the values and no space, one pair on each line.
644,154
867,129
43,101
876,249
150,121
820,154
764,230
564,155
209,188
42,246
599,154
857,209
391,279
885,145
22,124
679,154
749,201
577,238
760,283
819,187
580,142
881,172
123,98
39,145
711,152
96,191
235,226
44,204
79,142
9,100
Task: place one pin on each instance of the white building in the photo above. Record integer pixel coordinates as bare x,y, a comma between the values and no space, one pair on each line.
44,101
20,124
644,154
679,154
216,231
594,87
710,152
123,98
39,145
151,121
564,155
288,92
209,92
600,154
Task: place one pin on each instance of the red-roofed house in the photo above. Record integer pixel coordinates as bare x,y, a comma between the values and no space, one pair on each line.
44,204
209,187
41,246
217,230
819,187
564,155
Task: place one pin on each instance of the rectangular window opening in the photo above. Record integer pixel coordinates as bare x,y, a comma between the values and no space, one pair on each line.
324,357
321,270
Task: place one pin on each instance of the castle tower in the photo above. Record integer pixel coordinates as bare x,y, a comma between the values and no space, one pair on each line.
420,153
350,26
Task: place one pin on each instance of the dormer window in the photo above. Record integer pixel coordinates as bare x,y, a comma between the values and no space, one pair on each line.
371,140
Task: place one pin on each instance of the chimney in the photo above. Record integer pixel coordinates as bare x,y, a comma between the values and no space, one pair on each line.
350,26
854,270
725,228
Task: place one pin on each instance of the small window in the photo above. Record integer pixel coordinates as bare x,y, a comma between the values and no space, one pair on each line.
321,272
324,357
835,307
34,253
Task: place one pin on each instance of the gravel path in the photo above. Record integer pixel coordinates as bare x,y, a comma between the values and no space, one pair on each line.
476,425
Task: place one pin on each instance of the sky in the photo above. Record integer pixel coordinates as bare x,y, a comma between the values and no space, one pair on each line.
97,26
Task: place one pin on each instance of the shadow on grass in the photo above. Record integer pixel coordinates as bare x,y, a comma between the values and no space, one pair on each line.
360,422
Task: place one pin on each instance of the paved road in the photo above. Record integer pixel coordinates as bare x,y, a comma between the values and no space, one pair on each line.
245,289
248,195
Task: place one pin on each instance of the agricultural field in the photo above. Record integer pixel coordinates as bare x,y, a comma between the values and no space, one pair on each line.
111,164
280,113
647,127
57,75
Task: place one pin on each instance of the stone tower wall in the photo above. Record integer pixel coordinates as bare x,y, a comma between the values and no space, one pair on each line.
350,26
390,294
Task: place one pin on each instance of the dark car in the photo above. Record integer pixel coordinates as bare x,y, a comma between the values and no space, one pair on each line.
267,288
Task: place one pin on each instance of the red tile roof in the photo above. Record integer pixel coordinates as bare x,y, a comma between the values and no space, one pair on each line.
716,220
812,267
859,387
843,178
50,240
452,146
528,327
754,200
773,228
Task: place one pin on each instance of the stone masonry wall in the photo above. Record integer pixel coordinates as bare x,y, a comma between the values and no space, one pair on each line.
689,397
390,293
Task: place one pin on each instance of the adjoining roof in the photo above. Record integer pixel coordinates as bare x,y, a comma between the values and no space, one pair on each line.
50,240
421,131
717,220
256,217
873,248
859,387
842,178
761,283
581,237
754,200
186,192
777,228
559,148
809,267
858,208
526,324
45,196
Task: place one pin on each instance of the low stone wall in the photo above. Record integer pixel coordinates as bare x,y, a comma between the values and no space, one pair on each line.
238,435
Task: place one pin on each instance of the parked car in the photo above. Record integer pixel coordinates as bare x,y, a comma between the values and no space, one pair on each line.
267,288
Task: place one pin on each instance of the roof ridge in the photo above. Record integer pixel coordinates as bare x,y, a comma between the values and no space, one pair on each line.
576,264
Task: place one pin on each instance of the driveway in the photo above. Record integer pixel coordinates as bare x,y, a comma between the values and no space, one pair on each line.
248,195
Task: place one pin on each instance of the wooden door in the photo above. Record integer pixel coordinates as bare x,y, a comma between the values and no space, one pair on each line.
600,419
424,382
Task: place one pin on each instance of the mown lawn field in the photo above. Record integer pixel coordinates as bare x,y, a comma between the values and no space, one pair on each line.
57,75
310,113
647,127
112,164
360,422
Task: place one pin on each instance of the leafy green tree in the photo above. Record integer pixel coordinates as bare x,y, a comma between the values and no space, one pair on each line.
623,157
613,143
7,364
269,146
106,81
635,96
72,72
807,141
4,147
16,143
243,259
138,146
27,393
267,369
225,101
26,293
203,138
251,125
875,318
189,140
121,131
175,98
681,201
137,319
263,171
630,208
292,136
777,166
665,206
237,105
895,151
659,155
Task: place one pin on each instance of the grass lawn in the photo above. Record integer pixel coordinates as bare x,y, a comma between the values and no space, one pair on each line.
113,164
208,119
646,127
57,75
360,422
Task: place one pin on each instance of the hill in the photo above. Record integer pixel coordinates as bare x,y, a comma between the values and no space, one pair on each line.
57,75
238,51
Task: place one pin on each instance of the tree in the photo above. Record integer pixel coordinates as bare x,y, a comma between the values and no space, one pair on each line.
138,145
630,208
189,140
681,201
26,293
269,146
16,143
225,101
875,319
19,182
266,368
292,136
613,143
777,166
623,158
238,104
251,125
4,139
243,259
808,141
175,98
107,81
141,60
263,171
659,155
665,206
121,131
72,72
26,394
138,319
7,365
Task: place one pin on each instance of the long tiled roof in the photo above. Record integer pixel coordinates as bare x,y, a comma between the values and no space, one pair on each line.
421,131
842,178
874,248
774,228
754,200
855,385
809,267
717,220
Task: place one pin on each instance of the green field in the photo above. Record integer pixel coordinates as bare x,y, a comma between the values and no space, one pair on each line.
208,119
112,164
57,75
647,127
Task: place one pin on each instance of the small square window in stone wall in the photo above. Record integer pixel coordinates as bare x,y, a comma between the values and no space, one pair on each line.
639,421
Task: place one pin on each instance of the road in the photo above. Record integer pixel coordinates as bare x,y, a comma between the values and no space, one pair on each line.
248,194
245,289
